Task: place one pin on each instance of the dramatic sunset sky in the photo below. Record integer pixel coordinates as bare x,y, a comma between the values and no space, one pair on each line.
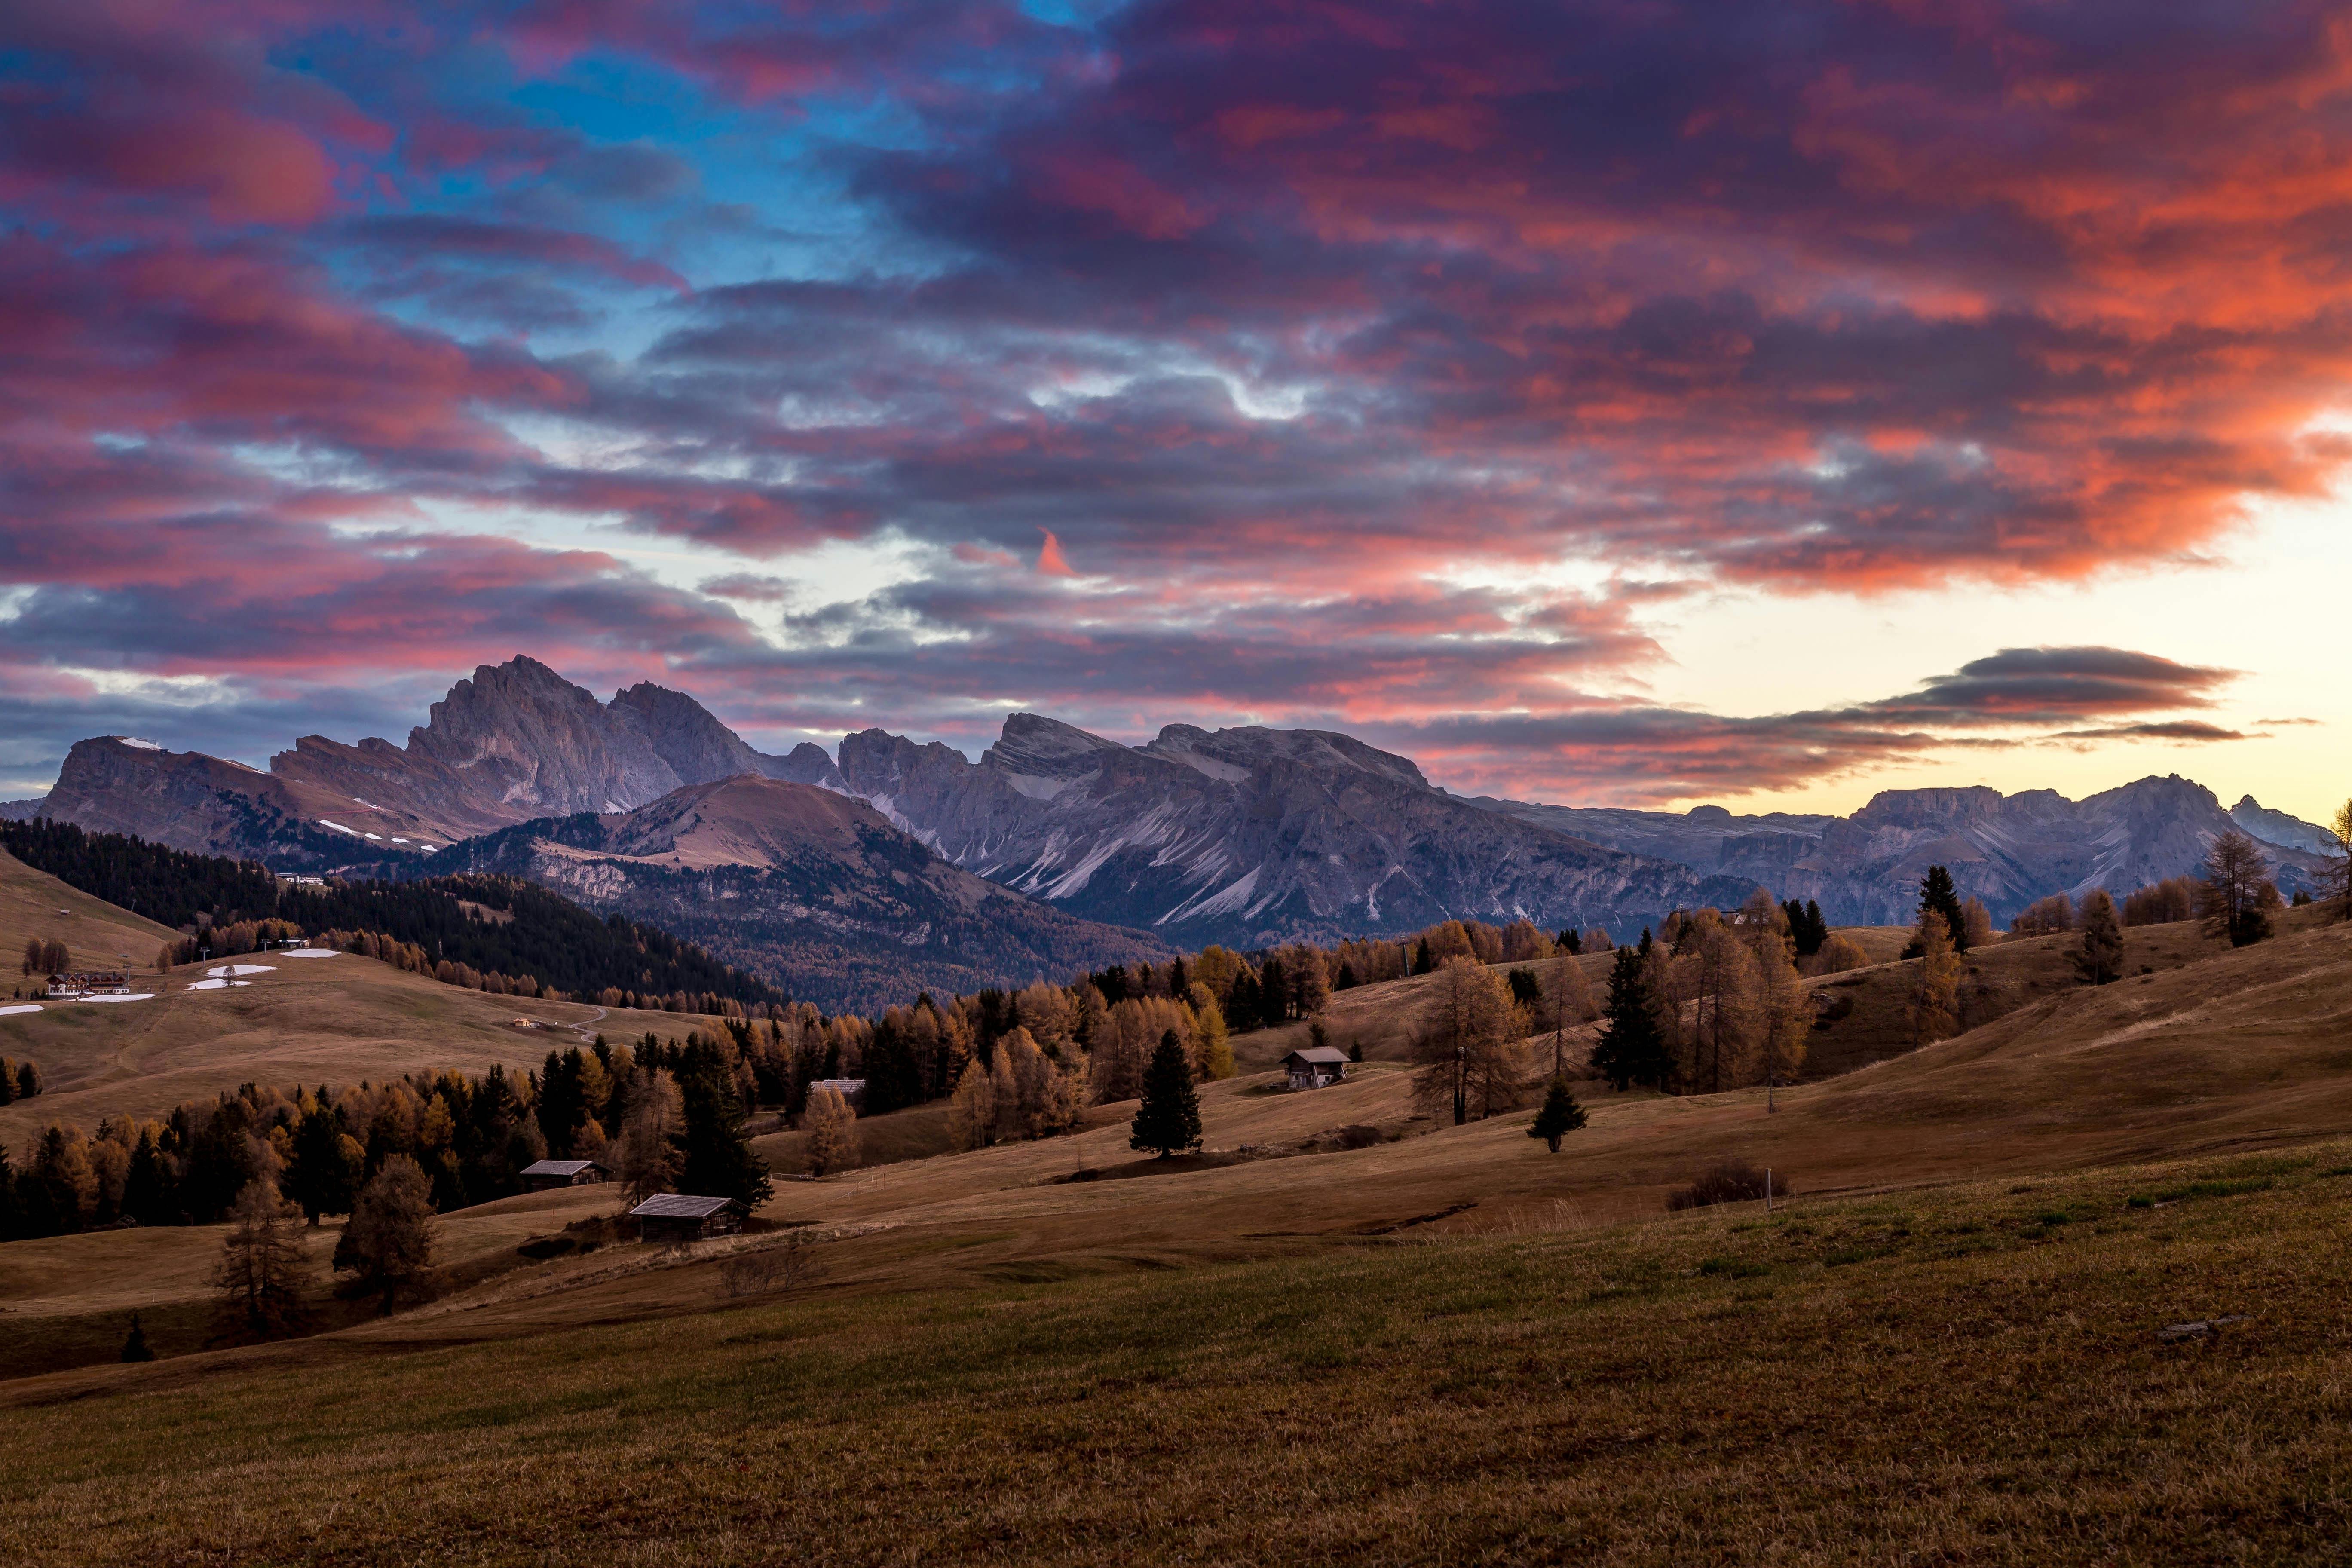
1613,403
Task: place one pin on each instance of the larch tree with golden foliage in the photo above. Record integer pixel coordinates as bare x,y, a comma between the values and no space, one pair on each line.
832,1128
2340,871
650,1154
388,1242
1936,994
1471,1051
260,1268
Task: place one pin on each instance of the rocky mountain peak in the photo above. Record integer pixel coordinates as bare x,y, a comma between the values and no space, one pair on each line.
1033,744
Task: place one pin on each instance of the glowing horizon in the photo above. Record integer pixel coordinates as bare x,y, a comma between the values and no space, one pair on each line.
1695,404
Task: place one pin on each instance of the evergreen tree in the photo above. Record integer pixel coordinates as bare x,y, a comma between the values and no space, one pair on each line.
1572,942
1273,991
134,1343
7,1081
1526,990
323,1176
1630,1050
1421,961
147,1194
2101,961
1169,1117
12,1219
1560,1115
1937,893
719,1162
28,1080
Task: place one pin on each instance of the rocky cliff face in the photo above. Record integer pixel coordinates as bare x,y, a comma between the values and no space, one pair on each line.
1248,837
2008,850
810,889
514,742
2277,828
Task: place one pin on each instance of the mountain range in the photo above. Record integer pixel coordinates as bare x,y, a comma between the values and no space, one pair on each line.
899,864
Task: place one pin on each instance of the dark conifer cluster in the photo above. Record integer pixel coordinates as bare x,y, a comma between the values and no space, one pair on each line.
484,932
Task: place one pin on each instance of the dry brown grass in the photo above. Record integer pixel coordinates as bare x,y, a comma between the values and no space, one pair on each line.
1969,1374
335,1020
98,935
1450,1347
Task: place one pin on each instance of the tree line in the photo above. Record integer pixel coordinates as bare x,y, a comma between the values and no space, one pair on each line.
678,1111
496,933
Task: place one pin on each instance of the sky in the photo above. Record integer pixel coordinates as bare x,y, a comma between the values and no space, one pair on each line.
1603,403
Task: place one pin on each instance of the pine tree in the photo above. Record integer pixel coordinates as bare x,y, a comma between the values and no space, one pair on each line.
1560,1115
322,1176
134,1343
719,1162
12,1219
1630,1050
147,1185
1169,1117
1937,893
2101,961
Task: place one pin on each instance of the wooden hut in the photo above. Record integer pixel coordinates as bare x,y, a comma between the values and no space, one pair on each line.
674,1217
546,1174
1317,1067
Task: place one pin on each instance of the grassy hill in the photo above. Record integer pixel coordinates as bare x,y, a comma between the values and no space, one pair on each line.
334,1020
1344,1333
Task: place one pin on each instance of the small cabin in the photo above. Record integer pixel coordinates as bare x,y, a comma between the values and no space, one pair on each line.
672,1218
545,1175
1317,1067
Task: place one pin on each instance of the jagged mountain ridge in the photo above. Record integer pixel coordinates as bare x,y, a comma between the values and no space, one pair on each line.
515,742
809,890
1245,836
1248,837
2008,850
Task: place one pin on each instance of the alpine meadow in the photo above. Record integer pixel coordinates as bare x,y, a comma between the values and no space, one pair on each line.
1003,782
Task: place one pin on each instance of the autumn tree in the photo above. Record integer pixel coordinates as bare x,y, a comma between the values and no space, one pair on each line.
649,1155
2229,899
1559,1116
1721,995
1471,1049
1785,1022
1934,996
2339,872
1838,952
387,1243
2046,917
2100,958
1212,1051
972,1108
832,1128
259,1270
1976,927
1169,1117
